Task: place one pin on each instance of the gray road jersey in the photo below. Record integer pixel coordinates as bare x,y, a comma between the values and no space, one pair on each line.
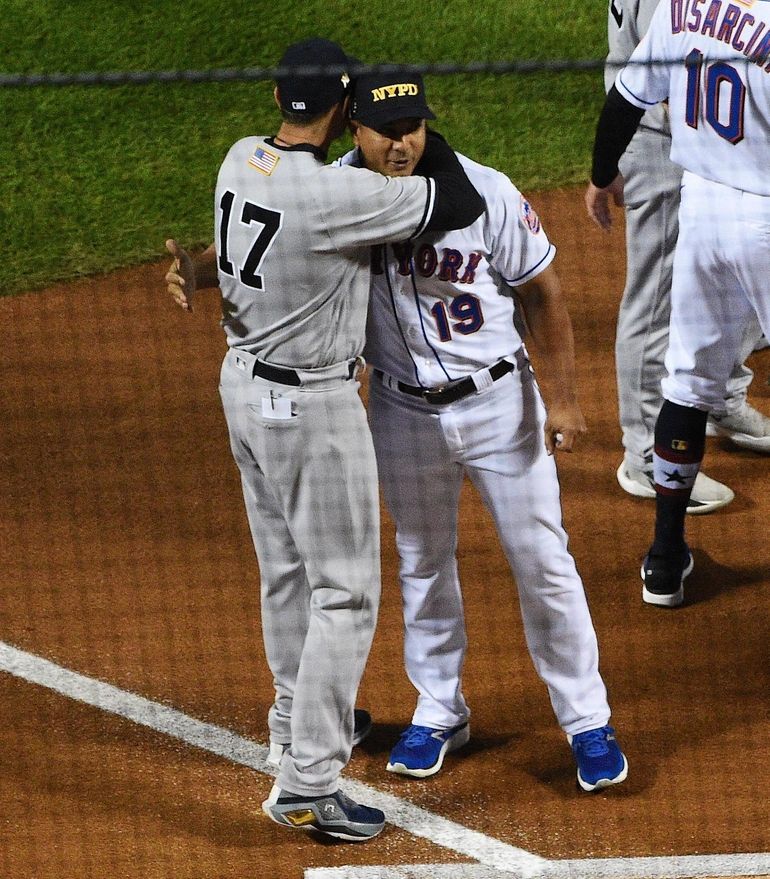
293,238
627,23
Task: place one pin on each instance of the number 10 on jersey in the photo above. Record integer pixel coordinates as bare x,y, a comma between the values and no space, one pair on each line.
721,80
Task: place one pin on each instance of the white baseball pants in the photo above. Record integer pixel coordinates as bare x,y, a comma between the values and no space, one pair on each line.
651,194
720,286
496,438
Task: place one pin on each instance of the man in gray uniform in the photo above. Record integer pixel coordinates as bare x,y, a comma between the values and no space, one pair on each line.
292,253
651,193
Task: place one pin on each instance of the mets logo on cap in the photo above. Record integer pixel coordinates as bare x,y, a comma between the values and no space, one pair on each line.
531,219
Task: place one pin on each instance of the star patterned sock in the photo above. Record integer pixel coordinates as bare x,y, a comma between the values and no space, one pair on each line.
680,440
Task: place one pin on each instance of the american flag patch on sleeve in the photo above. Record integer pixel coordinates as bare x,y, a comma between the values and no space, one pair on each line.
263,160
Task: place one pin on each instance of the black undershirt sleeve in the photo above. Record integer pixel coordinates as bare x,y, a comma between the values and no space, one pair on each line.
457,203
617,123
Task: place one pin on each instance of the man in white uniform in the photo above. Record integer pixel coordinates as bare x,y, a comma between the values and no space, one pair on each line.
292,239
452,394
651,196
716,77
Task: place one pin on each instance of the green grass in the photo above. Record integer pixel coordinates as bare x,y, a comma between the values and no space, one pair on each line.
97,177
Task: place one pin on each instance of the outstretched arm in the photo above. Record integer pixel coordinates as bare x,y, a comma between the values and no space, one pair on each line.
188,274
550,326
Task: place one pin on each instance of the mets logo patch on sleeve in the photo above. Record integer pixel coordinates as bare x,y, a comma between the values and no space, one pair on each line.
263,160
531,219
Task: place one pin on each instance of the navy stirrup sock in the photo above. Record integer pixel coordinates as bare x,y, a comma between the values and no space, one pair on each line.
680,441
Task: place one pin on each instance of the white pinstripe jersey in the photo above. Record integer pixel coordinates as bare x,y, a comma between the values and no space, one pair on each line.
442,305
718,86
293,237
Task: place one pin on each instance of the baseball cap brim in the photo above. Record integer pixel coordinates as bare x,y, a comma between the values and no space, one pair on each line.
372,118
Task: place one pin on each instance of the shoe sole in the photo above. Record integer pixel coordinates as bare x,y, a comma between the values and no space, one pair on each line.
604,782
700,509
744,440
459,739
278,818
631,485
674,599
694,508
314,828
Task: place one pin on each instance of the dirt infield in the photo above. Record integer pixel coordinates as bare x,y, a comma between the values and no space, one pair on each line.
125,556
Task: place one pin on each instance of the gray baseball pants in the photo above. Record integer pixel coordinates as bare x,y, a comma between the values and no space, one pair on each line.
309,481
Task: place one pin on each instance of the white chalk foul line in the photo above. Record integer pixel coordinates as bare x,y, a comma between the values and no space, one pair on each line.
494,858
227,744
675,867
409,871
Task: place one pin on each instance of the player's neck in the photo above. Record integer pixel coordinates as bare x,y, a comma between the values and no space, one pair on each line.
293,135
319,133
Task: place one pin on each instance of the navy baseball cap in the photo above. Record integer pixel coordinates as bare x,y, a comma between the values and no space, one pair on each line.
311,95
379,99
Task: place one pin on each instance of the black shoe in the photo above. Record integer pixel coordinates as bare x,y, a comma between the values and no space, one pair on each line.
664,577
362,725
334,814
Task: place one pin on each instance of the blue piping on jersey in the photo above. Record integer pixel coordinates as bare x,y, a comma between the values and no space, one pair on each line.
386,271
529,271
422,322
641,100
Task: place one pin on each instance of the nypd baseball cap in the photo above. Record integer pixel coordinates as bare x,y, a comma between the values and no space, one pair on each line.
381,99
311,95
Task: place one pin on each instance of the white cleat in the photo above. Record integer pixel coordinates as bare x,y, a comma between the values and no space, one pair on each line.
707,494
747,428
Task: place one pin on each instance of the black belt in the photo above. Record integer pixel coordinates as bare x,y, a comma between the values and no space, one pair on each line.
452,393
282,375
